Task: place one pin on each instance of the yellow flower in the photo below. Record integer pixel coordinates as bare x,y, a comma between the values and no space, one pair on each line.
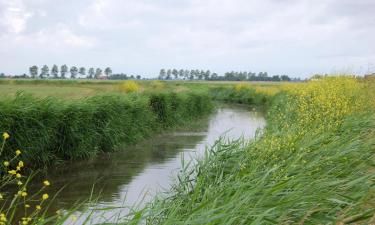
45,196
27,206
38,207
19,183
24,194
6,163
13,172
20,164
18,152
18,175
5,135
3,217
1,196
46,183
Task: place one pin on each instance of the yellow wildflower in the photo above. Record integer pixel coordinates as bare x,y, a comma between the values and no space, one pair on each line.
18,152
23,194
18,175
6,163
13,172
20,164
46,183
5,135
38,207
45,196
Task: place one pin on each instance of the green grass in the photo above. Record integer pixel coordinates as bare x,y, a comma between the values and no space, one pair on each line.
296,172
51,129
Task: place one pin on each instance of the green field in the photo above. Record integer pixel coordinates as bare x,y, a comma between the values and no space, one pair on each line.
312,164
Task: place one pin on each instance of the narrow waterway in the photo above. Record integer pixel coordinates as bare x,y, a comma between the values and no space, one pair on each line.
133,176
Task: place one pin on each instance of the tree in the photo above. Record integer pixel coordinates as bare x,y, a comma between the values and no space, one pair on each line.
33,71
285,78
98,73
138,77
181,73
207,75
63,71
162,74
108,71
186,74
44,72
276,78
169,72
55,71
175,73
192,75
82,71
91,73
73,72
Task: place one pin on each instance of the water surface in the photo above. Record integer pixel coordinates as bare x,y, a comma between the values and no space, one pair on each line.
137,173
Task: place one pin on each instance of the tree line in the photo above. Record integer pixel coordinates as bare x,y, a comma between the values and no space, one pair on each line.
195,74
63,71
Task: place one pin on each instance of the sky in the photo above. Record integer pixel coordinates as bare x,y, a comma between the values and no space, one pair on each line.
294,37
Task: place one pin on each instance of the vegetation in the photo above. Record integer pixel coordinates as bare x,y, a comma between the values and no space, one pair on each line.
313,164
184,74
51,129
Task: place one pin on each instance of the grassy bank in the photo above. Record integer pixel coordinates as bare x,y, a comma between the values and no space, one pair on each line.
313,164
51,129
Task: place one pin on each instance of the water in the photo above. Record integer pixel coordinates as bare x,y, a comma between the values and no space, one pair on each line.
137,173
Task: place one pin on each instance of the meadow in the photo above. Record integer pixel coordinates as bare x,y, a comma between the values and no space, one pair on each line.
312,164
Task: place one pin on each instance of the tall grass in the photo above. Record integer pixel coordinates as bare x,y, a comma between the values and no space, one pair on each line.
313,164
50,129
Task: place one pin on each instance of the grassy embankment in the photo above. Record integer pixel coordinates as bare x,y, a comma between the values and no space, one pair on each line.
313,164
49,129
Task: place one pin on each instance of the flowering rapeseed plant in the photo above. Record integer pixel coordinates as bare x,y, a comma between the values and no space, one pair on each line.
11,173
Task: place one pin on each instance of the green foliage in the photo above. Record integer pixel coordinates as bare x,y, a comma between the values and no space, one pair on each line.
50,129
299,171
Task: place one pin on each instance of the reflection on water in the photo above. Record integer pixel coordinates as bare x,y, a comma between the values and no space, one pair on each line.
123,178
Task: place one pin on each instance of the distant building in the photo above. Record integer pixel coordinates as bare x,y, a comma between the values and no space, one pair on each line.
103,77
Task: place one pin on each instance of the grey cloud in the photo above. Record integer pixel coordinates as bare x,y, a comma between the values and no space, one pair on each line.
141,36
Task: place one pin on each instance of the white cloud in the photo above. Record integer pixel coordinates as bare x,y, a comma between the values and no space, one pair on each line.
140,36
13,16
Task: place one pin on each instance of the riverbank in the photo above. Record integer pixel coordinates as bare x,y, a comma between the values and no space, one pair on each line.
313,164
48,130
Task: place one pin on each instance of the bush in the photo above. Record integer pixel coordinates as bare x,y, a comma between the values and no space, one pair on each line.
129,86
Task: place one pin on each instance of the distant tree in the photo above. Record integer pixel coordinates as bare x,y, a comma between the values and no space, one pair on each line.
276,78
44,72
192,75
199,74
2,75
73,72
108,71
138,77
175,73
33,71
98,73
162,74
63,71
82,71
181,73
285,78
186,74
132,77
91,73
55,71
169,72
207,75
214,76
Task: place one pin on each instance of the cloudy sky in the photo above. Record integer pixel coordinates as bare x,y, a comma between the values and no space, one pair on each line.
295,37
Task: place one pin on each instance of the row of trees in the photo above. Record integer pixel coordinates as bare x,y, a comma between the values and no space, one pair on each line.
184,74
63,72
